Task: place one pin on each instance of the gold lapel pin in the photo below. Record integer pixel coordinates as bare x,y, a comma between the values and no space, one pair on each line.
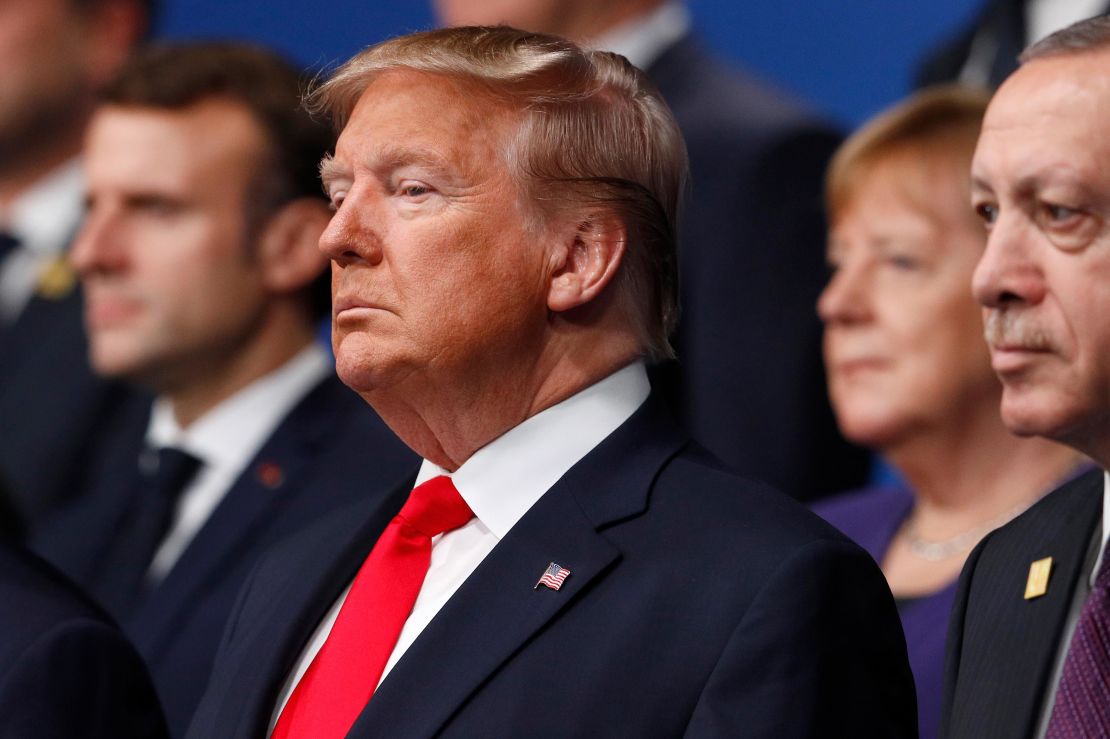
1037,584
56,279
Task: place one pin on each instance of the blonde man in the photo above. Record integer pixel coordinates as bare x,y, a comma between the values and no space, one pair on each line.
569,563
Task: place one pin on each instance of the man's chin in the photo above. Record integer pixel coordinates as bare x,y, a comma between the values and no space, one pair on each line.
1028,417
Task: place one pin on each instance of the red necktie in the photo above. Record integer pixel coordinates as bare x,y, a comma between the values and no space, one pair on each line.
343,676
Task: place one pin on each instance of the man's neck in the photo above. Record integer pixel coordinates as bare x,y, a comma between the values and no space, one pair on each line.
449,422
207,387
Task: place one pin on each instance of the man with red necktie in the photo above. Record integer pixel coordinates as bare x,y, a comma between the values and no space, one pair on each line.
569,563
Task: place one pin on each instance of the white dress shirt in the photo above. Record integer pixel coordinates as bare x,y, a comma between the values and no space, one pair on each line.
641,40
1082,591
499,482
225,439
44,219
1043,17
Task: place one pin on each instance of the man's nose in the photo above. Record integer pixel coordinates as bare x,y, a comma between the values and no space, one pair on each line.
1009,270
98,246
349,239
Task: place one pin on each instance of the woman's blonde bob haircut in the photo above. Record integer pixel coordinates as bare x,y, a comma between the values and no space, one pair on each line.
936,127
594,136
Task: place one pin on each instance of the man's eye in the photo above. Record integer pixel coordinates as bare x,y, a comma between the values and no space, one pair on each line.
987,212
1059,213
414,190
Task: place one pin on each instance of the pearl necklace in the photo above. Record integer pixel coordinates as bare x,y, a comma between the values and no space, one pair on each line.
936,551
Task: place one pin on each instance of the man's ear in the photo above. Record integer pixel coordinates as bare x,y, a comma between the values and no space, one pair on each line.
587,261
287,247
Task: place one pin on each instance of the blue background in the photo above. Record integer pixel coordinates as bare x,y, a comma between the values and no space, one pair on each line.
847,57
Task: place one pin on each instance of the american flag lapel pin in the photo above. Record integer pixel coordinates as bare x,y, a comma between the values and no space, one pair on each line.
553,577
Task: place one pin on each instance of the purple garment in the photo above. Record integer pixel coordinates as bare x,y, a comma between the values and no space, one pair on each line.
871,517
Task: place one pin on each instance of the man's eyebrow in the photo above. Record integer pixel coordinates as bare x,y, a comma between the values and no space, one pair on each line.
978,183
331,170
394,156
384,161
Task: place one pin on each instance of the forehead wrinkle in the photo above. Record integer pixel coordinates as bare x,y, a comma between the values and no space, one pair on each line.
393,156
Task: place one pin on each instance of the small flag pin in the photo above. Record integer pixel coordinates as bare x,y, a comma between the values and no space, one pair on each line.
553,577
1037,584
270,474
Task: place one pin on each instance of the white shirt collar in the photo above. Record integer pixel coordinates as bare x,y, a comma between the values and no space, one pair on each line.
228,435
1105,525
641,40
503,479
45,217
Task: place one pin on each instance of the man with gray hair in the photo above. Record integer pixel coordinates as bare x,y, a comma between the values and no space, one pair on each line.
1029,643
568,563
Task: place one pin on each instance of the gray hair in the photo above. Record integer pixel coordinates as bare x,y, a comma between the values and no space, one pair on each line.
594,132
1091,34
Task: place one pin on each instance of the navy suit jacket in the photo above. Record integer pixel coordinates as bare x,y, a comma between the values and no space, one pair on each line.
1000,27
697,604
1001,647
65,669
331,449
50,402
749,384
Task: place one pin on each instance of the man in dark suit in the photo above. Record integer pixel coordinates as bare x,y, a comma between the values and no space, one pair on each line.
985,52
203,284
749,382
65,670
1029,641
56,55
569,563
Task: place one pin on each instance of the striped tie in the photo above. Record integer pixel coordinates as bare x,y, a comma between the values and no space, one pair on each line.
1082,706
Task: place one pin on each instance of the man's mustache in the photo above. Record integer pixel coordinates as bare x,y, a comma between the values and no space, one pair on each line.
1009,330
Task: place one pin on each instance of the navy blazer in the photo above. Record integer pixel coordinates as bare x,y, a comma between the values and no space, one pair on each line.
330,450
65,669
1002,647
697,604
749,384
50,402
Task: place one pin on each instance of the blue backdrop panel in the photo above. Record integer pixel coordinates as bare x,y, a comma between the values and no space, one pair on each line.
848,58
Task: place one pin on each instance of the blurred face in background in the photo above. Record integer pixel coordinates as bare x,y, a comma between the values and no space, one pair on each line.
54,55
903,335
172,287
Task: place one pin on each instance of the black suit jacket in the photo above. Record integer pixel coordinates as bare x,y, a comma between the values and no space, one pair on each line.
749,384
65,670
331,449
51,404
698,604
999,30
1001,647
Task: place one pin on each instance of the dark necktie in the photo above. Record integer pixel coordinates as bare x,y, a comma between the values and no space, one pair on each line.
343,676
1082,706
163,475
8,244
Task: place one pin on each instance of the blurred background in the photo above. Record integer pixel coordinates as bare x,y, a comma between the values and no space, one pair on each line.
848,59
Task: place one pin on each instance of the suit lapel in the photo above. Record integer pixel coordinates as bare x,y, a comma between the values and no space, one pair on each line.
498,609
256,497
1028,631
329,555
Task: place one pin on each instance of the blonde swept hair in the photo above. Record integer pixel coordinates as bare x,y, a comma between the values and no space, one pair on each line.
594,131
934,127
